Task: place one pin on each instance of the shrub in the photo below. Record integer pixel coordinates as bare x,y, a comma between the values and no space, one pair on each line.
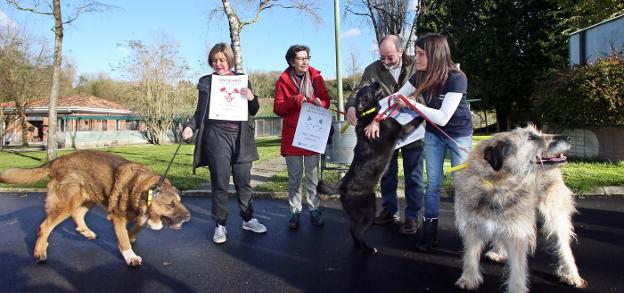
581,96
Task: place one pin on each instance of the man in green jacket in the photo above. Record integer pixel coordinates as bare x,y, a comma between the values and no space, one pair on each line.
392,70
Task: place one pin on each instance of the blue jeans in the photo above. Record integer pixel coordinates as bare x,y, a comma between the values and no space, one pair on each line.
435,150
414,182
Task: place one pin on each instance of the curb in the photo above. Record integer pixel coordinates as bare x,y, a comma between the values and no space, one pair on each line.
601,191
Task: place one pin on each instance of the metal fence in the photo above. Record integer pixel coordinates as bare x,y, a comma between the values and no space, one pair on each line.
268,126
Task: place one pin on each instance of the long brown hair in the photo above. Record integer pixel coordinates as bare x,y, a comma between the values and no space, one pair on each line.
439,65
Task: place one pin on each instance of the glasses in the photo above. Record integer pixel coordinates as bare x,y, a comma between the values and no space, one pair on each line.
303,58
388,58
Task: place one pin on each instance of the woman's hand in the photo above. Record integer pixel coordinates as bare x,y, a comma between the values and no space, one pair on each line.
187,133
351,117
401,103
299,99
245,92
372,130
317,102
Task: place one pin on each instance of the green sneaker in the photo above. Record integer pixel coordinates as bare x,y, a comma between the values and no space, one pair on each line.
315,217
293,223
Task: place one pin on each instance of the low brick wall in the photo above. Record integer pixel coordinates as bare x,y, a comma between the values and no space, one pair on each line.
606,143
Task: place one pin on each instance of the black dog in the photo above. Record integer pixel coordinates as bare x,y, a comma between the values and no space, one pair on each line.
370,160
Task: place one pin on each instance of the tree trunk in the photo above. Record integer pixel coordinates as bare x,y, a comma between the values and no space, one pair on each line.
235,30
24,126
56,70
1,129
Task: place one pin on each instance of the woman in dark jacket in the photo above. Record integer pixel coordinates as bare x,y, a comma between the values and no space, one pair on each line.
226,147
298,84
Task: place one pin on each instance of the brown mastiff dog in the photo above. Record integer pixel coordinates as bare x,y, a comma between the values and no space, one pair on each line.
85,178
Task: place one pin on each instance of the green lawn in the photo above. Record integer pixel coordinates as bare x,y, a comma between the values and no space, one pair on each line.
156,157
580,175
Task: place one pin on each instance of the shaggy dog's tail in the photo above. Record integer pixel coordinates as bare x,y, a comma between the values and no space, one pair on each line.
20,176
326,188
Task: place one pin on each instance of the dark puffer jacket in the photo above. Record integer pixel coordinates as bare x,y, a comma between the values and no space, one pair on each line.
199,122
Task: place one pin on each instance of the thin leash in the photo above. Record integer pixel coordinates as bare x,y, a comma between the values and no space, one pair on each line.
413,108
310,100
153,192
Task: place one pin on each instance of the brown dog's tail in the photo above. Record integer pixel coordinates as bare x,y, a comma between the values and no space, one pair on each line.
19,175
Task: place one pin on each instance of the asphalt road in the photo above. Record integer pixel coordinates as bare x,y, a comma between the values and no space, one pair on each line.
309,260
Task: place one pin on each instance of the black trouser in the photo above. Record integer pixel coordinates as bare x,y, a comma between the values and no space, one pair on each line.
223,150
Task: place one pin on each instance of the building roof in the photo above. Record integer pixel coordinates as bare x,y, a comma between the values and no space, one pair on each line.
76,103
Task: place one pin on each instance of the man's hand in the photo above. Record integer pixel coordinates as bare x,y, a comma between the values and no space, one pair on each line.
245,92
351,116
372,130
187,133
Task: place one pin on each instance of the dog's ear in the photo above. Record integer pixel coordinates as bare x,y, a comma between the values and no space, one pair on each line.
376,88
496,154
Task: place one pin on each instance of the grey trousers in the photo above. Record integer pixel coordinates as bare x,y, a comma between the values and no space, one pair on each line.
222,154
296,166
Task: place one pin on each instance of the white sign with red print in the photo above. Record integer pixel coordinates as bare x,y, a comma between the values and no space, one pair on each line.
312,128
226,102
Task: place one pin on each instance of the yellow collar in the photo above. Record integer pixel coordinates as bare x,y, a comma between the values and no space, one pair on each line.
486,182
456,168
150,197
369,111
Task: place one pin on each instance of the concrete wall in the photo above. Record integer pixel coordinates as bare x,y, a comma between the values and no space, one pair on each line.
606,143
90,139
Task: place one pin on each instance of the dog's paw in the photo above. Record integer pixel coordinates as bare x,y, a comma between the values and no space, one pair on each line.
494,256
40,256
41,253
466,283
131,258
576,282
154,225
87,233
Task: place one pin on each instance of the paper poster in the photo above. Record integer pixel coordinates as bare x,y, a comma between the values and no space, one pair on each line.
403,116
313,128
226,102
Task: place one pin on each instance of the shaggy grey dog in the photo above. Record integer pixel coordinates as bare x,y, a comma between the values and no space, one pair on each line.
509,180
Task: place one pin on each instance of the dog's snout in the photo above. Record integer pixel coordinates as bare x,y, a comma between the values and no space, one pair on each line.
188,217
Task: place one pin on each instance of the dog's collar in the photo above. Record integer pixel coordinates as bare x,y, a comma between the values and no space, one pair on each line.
486,182
369,111
456,168
150,196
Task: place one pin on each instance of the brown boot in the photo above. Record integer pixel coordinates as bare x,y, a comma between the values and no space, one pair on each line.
409,227
386,217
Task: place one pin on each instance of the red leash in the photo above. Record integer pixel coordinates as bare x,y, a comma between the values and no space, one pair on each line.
413,108
309,100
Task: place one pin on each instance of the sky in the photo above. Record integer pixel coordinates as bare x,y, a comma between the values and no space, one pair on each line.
96,42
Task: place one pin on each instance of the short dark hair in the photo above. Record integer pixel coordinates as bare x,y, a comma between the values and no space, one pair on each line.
291,53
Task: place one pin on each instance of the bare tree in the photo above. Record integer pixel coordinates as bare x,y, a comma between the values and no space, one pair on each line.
52,9
24,63
388,17
307,7
158,92
354,67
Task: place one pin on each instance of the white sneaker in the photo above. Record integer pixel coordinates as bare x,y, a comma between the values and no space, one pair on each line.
220,234
254,226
